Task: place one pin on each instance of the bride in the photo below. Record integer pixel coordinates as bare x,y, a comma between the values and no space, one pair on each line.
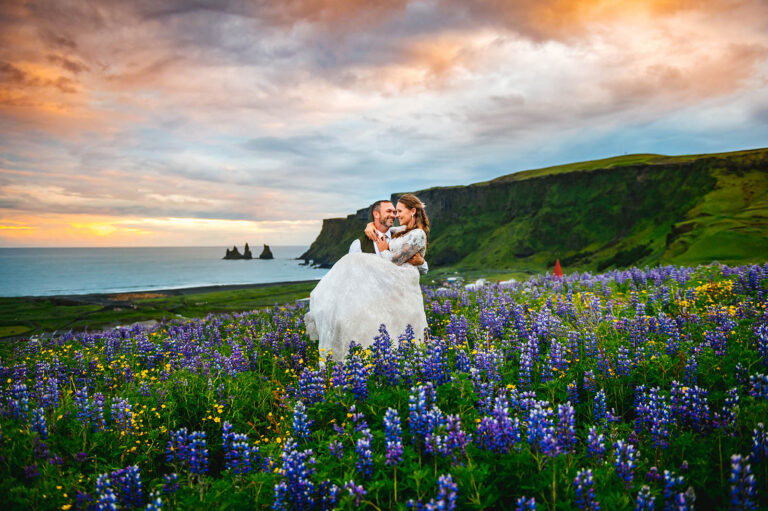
362,291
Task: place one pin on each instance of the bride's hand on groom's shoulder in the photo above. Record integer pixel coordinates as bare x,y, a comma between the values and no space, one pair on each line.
371,232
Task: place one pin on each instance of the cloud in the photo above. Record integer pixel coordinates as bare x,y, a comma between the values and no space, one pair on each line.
298,110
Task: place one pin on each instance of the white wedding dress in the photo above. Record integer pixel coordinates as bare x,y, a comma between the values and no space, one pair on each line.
362,291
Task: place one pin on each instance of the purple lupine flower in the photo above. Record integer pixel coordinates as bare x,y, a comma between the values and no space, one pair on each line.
743,491
673,486
336,448
39,424
624,461
644,500
761,339
364,455
311,386
84,406
759,444
541,429
446,496
585,493
393,435
758,386
589,381
171,483
198,453
99,423
483,391
525,504
355,491
726,420
301,422
31,471
424,415
526,368
122,415
691,366
435,366
566,428
356,373
573,392
385,360
155,502
498,432
623,362
296,489
599,409
595,443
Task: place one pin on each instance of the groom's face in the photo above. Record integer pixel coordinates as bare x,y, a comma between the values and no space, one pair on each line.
386,214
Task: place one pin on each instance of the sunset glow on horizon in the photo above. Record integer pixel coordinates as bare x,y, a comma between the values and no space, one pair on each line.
211,123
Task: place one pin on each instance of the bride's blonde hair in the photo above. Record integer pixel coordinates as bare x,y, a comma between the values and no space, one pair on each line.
421,221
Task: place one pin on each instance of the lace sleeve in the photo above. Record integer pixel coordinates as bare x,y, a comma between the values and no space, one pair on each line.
413,242
398,228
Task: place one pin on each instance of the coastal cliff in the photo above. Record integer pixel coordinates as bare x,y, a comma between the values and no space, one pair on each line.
616,212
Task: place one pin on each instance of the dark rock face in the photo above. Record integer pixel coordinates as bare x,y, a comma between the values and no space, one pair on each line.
266,253
235,253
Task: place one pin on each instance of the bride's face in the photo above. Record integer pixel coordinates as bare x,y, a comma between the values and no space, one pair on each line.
405,215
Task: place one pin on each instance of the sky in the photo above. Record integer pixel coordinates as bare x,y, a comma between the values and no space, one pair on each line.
197,122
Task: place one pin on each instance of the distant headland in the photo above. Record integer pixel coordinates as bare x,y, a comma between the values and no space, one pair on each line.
266,253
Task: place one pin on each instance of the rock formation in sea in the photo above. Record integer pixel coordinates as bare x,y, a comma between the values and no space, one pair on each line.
266,253
235,253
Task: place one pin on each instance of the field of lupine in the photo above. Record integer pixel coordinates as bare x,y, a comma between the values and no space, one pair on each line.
638,389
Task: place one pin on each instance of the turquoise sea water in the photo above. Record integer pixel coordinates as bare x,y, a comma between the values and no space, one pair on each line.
59,271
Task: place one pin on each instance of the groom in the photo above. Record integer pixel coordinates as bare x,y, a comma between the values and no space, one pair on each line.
383,212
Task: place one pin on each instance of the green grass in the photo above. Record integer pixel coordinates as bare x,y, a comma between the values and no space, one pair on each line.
35,315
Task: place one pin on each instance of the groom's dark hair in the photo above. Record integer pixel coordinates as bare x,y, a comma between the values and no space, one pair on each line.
376,206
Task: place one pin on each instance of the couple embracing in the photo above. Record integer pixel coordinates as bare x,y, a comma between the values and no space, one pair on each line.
376,282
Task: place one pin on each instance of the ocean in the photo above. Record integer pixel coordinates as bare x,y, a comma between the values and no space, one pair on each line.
71,271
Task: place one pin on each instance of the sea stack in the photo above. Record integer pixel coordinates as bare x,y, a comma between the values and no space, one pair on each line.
266,253
233,254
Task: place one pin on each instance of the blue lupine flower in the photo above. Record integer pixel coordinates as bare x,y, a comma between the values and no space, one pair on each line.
599,410
566,428
385,360
122,415
541,429
673,486
355,491
356,373
336,448
759,444
743,491
296,489
758,386
301,422
364,455
524,504
595,443
171,483
585,493
393,435
38,422
198,453
624,460
311,386
446,496
644,501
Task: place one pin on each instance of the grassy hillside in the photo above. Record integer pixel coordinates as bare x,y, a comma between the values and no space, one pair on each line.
635,209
